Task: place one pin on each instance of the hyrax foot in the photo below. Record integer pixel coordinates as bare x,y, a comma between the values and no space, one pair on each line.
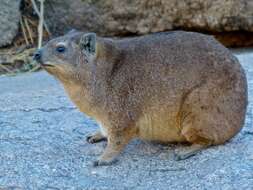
110,154
95,138
191,151
108,157
116,143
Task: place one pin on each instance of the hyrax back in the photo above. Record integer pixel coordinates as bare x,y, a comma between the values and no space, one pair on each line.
181,87
169,87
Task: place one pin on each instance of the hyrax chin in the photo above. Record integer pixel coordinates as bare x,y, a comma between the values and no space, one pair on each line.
167,87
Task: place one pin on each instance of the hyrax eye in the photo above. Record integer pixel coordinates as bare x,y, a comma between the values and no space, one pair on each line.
60,49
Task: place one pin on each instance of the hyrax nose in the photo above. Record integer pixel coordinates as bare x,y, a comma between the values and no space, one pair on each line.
37,55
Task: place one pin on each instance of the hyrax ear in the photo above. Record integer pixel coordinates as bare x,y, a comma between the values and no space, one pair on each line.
88,43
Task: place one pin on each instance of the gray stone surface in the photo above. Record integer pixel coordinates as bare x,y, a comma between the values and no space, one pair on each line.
9,20
42,146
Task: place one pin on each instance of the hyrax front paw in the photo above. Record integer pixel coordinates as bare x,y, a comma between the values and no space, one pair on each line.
95,138
107,158
116,142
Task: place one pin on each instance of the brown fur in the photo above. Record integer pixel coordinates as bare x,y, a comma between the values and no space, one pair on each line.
169,87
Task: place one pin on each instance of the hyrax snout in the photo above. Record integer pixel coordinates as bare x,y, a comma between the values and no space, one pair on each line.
168,87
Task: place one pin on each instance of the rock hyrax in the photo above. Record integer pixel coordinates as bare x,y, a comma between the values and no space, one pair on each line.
168,87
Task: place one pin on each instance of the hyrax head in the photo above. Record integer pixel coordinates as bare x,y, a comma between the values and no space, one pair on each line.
68,57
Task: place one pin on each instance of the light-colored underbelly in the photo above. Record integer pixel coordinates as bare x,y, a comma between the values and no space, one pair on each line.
159,127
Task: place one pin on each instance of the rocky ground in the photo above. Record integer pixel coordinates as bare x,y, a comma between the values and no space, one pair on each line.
42,146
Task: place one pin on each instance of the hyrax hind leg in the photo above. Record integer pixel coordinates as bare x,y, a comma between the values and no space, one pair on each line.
209,116
198,141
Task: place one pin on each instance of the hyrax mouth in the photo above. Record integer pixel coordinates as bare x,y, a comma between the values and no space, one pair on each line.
47,65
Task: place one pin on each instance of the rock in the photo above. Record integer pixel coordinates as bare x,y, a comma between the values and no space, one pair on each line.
128,17
9,20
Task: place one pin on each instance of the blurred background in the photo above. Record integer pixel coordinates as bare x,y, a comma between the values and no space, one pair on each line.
24,24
